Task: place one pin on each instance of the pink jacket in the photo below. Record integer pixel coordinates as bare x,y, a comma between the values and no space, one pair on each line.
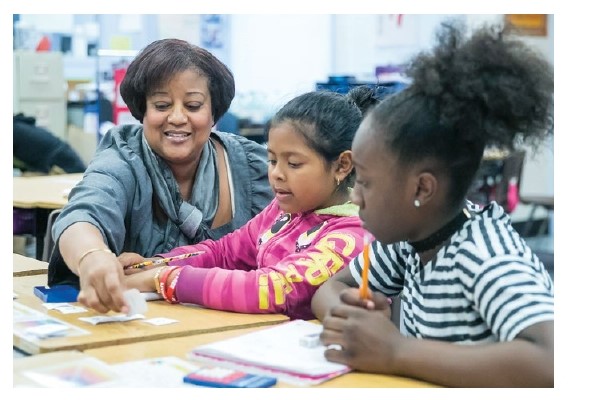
273,264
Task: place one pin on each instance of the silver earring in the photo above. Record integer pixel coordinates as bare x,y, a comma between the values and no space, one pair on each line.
337,180
417,203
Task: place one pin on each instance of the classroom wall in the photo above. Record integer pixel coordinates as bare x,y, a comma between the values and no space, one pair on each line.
360,45
275,57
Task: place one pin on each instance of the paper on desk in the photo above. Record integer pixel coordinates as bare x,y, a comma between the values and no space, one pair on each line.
160,321
101,319
154,372
87,372
65,308
47,330
277,351
150,296
135,301
31,324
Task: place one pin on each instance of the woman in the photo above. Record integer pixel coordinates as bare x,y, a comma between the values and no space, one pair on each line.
170,182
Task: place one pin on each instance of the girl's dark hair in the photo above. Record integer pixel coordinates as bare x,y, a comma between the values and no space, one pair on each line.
161,60
466,94
327,120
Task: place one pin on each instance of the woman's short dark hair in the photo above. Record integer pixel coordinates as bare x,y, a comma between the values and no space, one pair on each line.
161,60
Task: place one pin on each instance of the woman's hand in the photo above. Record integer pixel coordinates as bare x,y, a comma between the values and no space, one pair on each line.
102,280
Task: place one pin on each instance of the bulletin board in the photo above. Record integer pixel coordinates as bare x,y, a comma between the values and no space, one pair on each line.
529,24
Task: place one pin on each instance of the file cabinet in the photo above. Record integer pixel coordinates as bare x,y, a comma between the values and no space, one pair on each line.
39,89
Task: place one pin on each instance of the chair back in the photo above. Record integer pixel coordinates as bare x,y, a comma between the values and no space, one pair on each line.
512,169
48,241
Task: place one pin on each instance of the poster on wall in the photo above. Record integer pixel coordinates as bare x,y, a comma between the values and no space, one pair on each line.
396,30
212,31
529,24
185,27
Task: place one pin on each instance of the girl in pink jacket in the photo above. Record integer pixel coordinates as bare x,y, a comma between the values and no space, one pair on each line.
276,262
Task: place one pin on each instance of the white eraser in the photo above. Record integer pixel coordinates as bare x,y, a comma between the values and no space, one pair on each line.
310,341
136,302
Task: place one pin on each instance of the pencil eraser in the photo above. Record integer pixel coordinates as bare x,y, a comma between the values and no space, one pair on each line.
310,341
136,302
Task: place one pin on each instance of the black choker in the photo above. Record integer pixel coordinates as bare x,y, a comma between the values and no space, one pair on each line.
442,234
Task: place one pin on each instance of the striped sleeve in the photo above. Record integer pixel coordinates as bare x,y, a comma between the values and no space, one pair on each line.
386,273
511,297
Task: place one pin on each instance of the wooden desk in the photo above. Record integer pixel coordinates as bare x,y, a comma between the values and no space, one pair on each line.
192,320
41,195
23,285
23,266
180,346
47,191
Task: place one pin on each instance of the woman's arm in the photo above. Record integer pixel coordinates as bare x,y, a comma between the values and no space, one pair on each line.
100,273
94,218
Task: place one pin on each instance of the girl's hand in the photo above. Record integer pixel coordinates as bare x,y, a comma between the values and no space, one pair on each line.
368,340
378,301
127,259
143,280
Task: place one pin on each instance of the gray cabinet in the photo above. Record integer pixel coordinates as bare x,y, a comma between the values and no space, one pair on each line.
39,89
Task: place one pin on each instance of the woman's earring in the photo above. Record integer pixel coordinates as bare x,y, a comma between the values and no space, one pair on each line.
337,180
417,203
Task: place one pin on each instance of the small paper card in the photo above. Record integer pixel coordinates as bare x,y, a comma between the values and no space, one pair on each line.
160,321
89,372
102,319
31,324
136,302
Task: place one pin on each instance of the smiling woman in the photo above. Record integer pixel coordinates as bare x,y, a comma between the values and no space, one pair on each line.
171,181
178,123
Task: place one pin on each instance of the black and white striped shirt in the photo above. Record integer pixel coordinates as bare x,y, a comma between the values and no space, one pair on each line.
486,285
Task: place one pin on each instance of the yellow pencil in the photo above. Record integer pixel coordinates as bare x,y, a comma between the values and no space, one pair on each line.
364,287
163,260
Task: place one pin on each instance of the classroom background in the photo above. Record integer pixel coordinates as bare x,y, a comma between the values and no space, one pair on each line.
67,70
66,74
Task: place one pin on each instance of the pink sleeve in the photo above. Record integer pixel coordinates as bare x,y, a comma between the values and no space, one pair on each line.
286,287
236,250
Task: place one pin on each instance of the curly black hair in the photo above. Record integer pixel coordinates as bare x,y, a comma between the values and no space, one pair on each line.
469,92
161,60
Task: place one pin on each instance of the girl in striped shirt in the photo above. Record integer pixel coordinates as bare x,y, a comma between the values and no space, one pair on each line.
476,305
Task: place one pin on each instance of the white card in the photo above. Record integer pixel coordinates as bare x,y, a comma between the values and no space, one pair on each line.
160,321
46,330
101,319
136,302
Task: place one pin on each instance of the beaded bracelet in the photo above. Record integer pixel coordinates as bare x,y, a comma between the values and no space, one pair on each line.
156,278
90,251
170,294
164,276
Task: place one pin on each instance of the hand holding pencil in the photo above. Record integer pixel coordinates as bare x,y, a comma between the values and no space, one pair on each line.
364,286
162,261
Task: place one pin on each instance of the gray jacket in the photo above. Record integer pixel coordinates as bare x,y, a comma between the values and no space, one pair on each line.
116,193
